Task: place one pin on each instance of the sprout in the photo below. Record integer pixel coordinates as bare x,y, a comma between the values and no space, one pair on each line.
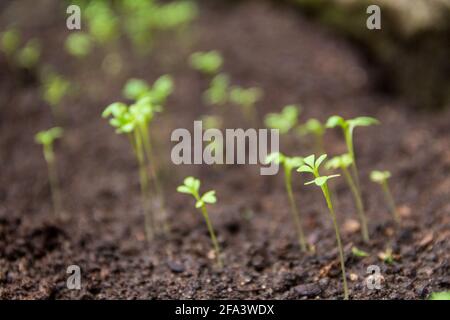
381,177
9,41
55,87
347,127
133,121
29,55
387,256
315,128
343,162
78,44
46,139
290,163
311,165
444,295
135,89
217,93
102,22
246,99
206,62
359,253
285,120
192,186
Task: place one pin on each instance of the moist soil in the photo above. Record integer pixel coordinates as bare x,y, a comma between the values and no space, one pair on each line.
293,60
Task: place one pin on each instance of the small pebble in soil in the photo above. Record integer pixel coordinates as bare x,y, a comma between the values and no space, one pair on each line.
308,290
175,267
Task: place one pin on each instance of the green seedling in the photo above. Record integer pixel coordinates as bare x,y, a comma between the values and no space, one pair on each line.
55,88
46,139
387,256
444,295
217,93
315,128
359,253
246,99
134,121
348,127
206,62
381,177
28,56
154,96
285,120
192,186
78,44
343,162
102,22
311,165
9,42
290,163
136,89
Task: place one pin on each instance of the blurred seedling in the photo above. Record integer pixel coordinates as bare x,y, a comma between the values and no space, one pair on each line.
290,163
315,128
78,44
28,56
103,24
9,42
192,186
381,177
343,162
359,253
133,121
47,139
246,99
387,256
311,165
284,121
444,295
208,63
217,93
348,127
55,88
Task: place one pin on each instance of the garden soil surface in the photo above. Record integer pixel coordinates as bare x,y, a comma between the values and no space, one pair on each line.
293,60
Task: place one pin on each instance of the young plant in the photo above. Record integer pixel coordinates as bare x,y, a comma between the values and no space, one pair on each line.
192,186
133,121
315,128
348,127
150,99
285,120
342,162
208,63
28,56
46,139
290,163
9,42
217,93
78,44
55,88
246,99
381,177
311,165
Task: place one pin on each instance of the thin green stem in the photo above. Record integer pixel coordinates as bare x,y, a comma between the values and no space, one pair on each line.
294,210
390,201
358,202
213,236
326,193
53,181
143,178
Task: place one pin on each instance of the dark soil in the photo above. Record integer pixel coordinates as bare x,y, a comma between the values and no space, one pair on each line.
293,60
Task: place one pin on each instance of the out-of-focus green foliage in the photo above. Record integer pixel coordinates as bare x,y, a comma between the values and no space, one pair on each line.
206,62
9,41
29,55
217,93
55,88
78,44
285,120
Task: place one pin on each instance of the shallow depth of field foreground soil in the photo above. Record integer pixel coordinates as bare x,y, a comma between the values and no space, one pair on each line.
295,61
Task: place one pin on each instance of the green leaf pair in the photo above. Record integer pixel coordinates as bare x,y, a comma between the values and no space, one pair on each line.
379,176
288,162
342,161
311,165
206,62
136,89
47,137
285,120
192,186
